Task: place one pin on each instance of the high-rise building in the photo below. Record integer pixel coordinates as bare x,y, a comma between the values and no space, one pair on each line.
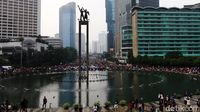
117,28
102,42
19,18
157,31
146,3
192,6
95,47
83,44
123,24
67,24
110,20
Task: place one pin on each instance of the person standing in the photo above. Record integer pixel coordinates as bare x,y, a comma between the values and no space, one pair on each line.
130,106
198,102
24,105
115,106
44,103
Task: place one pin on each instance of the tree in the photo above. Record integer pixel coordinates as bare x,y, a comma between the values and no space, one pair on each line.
130,56
3,61
108,56
21,39
46,58
50,47
55,56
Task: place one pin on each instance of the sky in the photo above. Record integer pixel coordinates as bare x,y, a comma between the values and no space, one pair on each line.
50,14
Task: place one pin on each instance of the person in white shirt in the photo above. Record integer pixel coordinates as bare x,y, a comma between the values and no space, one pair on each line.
188,101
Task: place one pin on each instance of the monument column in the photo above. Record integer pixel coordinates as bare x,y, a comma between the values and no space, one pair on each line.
84,21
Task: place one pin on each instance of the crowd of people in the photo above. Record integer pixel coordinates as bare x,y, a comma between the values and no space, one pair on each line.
98,65
164,102
180,70
6,106
169,103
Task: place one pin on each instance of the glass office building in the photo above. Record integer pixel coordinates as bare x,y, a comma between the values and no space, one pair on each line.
125,15
67,24
157,31
126,40
110,20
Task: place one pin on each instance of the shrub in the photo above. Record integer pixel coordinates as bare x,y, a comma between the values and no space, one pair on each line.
66,106
197,92
122,103
15,107
76,106
107,104
80,107
178,96
97,104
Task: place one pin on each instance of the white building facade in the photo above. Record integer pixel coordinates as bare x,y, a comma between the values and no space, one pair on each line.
19,18
54,42
102,44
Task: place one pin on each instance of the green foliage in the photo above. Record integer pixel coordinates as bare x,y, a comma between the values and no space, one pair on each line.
4,61
21,39
166,61
122,103
66,106
130,56
179,96
50,47
109,56
76,106
15,108
5,40
46,58
175,54
39,40
107,104
197,92
97,104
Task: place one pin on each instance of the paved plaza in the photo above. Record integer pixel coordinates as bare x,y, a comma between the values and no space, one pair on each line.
179,102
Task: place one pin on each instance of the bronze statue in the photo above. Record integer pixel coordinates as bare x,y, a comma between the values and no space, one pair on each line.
84,14
81,11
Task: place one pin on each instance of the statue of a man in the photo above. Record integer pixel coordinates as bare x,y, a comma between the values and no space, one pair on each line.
82,15
86,14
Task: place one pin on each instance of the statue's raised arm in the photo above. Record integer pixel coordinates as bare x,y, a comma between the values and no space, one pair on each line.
81,15
79,8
